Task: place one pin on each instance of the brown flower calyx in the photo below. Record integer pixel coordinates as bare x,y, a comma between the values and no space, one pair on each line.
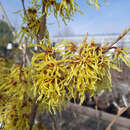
118,50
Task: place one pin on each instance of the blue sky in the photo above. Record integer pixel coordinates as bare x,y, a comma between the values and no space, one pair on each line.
111,18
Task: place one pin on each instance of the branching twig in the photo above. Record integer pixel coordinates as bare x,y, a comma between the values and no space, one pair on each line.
121,111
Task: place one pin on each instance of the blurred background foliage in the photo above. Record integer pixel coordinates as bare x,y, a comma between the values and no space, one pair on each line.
5,33
6,37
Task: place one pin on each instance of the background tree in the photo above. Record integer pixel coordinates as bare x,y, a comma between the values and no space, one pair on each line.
6,36
49,82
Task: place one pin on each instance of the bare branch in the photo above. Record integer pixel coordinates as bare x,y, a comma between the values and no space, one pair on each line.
121,36
103,115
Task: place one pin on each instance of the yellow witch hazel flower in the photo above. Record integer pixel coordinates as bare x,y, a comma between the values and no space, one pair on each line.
49,78
88,68
121,54
77,71
16,103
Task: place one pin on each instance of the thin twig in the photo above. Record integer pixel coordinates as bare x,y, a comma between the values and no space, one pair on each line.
118,39
23,7
121,111
121,36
